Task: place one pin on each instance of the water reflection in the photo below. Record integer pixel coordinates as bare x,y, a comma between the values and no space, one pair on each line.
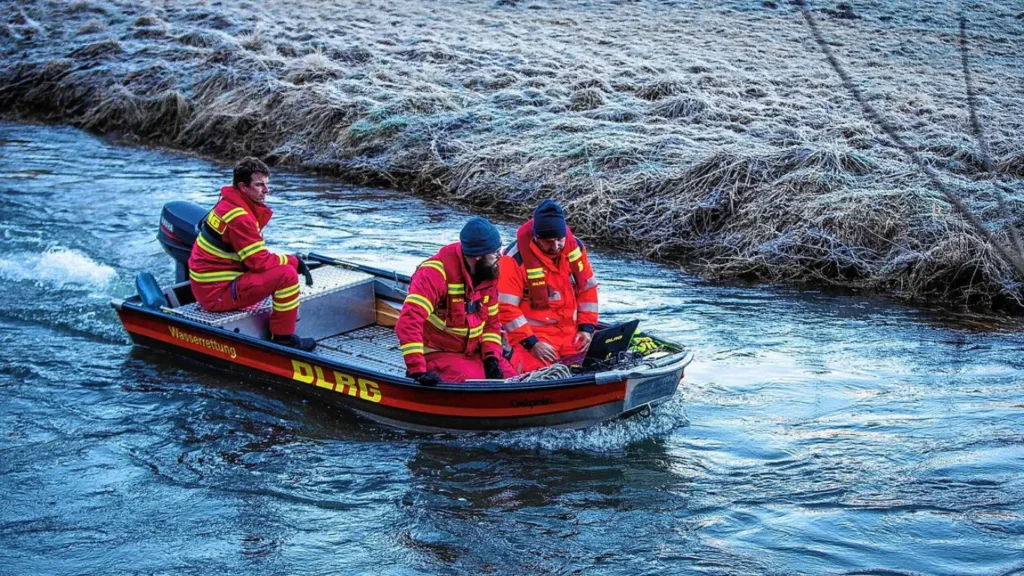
487,507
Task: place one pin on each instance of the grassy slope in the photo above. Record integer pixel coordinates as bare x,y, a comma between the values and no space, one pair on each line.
703,132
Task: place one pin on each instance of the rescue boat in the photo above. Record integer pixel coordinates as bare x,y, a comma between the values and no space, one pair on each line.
351,310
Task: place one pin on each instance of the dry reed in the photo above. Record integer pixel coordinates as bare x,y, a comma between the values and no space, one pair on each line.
707,133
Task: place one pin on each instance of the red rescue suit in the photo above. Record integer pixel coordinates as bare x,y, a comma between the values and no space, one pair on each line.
544,299
447,325
231,268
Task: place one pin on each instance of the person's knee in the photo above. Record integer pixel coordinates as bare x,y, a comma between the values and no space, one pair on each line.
289,277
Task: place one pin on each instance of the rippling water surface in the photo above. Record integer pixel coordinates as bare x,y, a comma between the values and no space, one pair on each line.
813,434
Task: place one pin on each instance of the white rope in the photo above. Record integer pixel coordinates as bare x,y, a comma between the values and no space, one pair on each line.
554,372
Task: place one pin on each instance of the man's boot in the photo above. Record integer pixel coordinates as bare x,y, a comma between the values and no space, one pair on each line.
293,341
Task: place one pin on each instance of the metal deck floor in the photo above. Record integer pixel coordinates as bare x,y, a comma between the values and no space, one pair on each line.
374,348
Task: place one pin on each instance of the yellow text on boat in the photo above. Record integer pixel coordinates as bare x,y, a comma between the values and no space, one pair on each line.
337,381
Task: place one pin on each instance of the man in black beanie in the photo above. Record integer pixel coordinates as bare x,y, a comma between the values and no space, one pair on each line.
547,292
448,328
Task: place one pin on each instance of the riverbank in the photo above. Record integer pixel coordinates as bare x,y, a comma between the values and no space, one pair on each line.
710,134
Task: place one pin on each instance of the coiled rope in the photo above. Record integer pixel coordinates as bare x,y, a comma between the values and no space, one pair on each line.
553,372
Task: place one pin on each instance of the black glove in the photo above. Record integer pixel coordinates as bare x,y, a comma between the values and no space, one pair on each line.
492,369
425,378
304,270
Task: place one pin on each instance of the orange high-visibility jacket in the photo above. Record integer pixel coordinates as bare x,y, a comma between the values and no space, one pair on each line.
445,312
232,244
571,293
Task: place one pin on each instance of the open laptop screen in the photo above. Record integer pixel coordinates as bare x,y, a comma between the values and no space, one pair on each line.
606,343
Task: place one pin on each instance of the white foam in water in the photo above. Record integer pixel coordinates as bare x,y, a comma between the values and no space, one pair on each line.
609,437
57,266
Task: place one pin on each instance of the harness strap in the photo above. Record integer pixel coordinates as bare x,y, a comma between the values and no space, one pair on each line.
213,237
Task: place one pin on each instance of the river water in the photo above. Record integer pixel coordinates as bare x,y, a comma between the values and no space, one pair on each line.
814,433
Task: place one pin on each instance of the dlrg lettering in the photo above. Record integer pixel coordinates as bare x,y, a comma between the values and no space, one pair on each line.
337,381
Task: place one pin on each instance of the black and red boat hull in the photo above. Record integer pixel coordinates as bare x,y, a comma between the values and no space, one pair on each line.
575,402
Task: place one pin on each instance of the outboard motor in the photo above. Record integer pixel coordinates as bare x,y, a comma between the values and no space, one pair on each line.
179,226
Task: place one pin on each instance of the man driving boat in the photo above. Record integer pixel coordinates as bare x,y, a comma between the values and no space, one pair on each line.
230,266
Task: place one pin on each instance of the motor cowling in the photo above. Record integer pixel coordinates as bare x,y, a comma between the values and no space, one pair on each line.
179,226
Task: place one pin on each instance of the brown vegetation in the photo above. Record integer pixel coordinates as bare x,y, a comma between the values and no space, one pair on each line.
700,132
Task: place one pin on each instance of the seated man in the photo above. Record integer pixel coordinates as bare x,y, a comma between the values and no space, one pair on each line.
230,266
448,327
547,292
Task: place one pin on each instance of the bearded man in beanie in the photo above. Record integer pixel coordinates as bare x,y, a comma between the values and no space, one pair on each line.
547,292
448,328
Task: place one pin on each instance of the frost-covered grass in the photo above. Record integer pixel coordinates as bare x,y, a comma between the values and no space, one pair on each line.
708,133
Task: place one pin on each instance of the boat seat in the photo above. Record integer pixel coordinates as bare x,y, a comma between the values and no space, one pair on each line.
339,300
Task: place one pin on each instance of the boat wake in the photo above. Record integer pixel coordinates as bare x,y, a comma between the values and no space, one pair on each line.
59,267
613,436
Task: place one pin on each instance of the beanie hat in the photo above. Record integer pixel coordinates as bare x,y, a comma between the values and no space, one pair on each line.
549,220
479,237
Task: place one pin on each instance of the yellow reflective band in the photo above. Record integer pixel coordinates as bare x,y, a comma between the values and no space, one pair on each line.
575,255
534,273
252,249
232,214
436,265
282,259
436,321
421,302
492,310
286,306
214,251
286,292
456,288
412,348
492,337
221,276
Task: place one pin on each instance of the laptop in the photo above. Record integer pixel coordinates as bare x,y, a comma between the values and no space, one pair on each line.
606,344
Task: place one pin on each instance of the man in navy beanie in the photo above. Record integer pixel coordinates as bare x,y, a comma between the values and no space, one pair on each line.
448,328
547,292
549,221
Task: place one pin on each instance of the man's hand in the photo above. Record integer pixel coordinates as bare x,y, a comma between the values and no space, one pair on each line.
544,352
492,369
303,269
425,378
582,340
